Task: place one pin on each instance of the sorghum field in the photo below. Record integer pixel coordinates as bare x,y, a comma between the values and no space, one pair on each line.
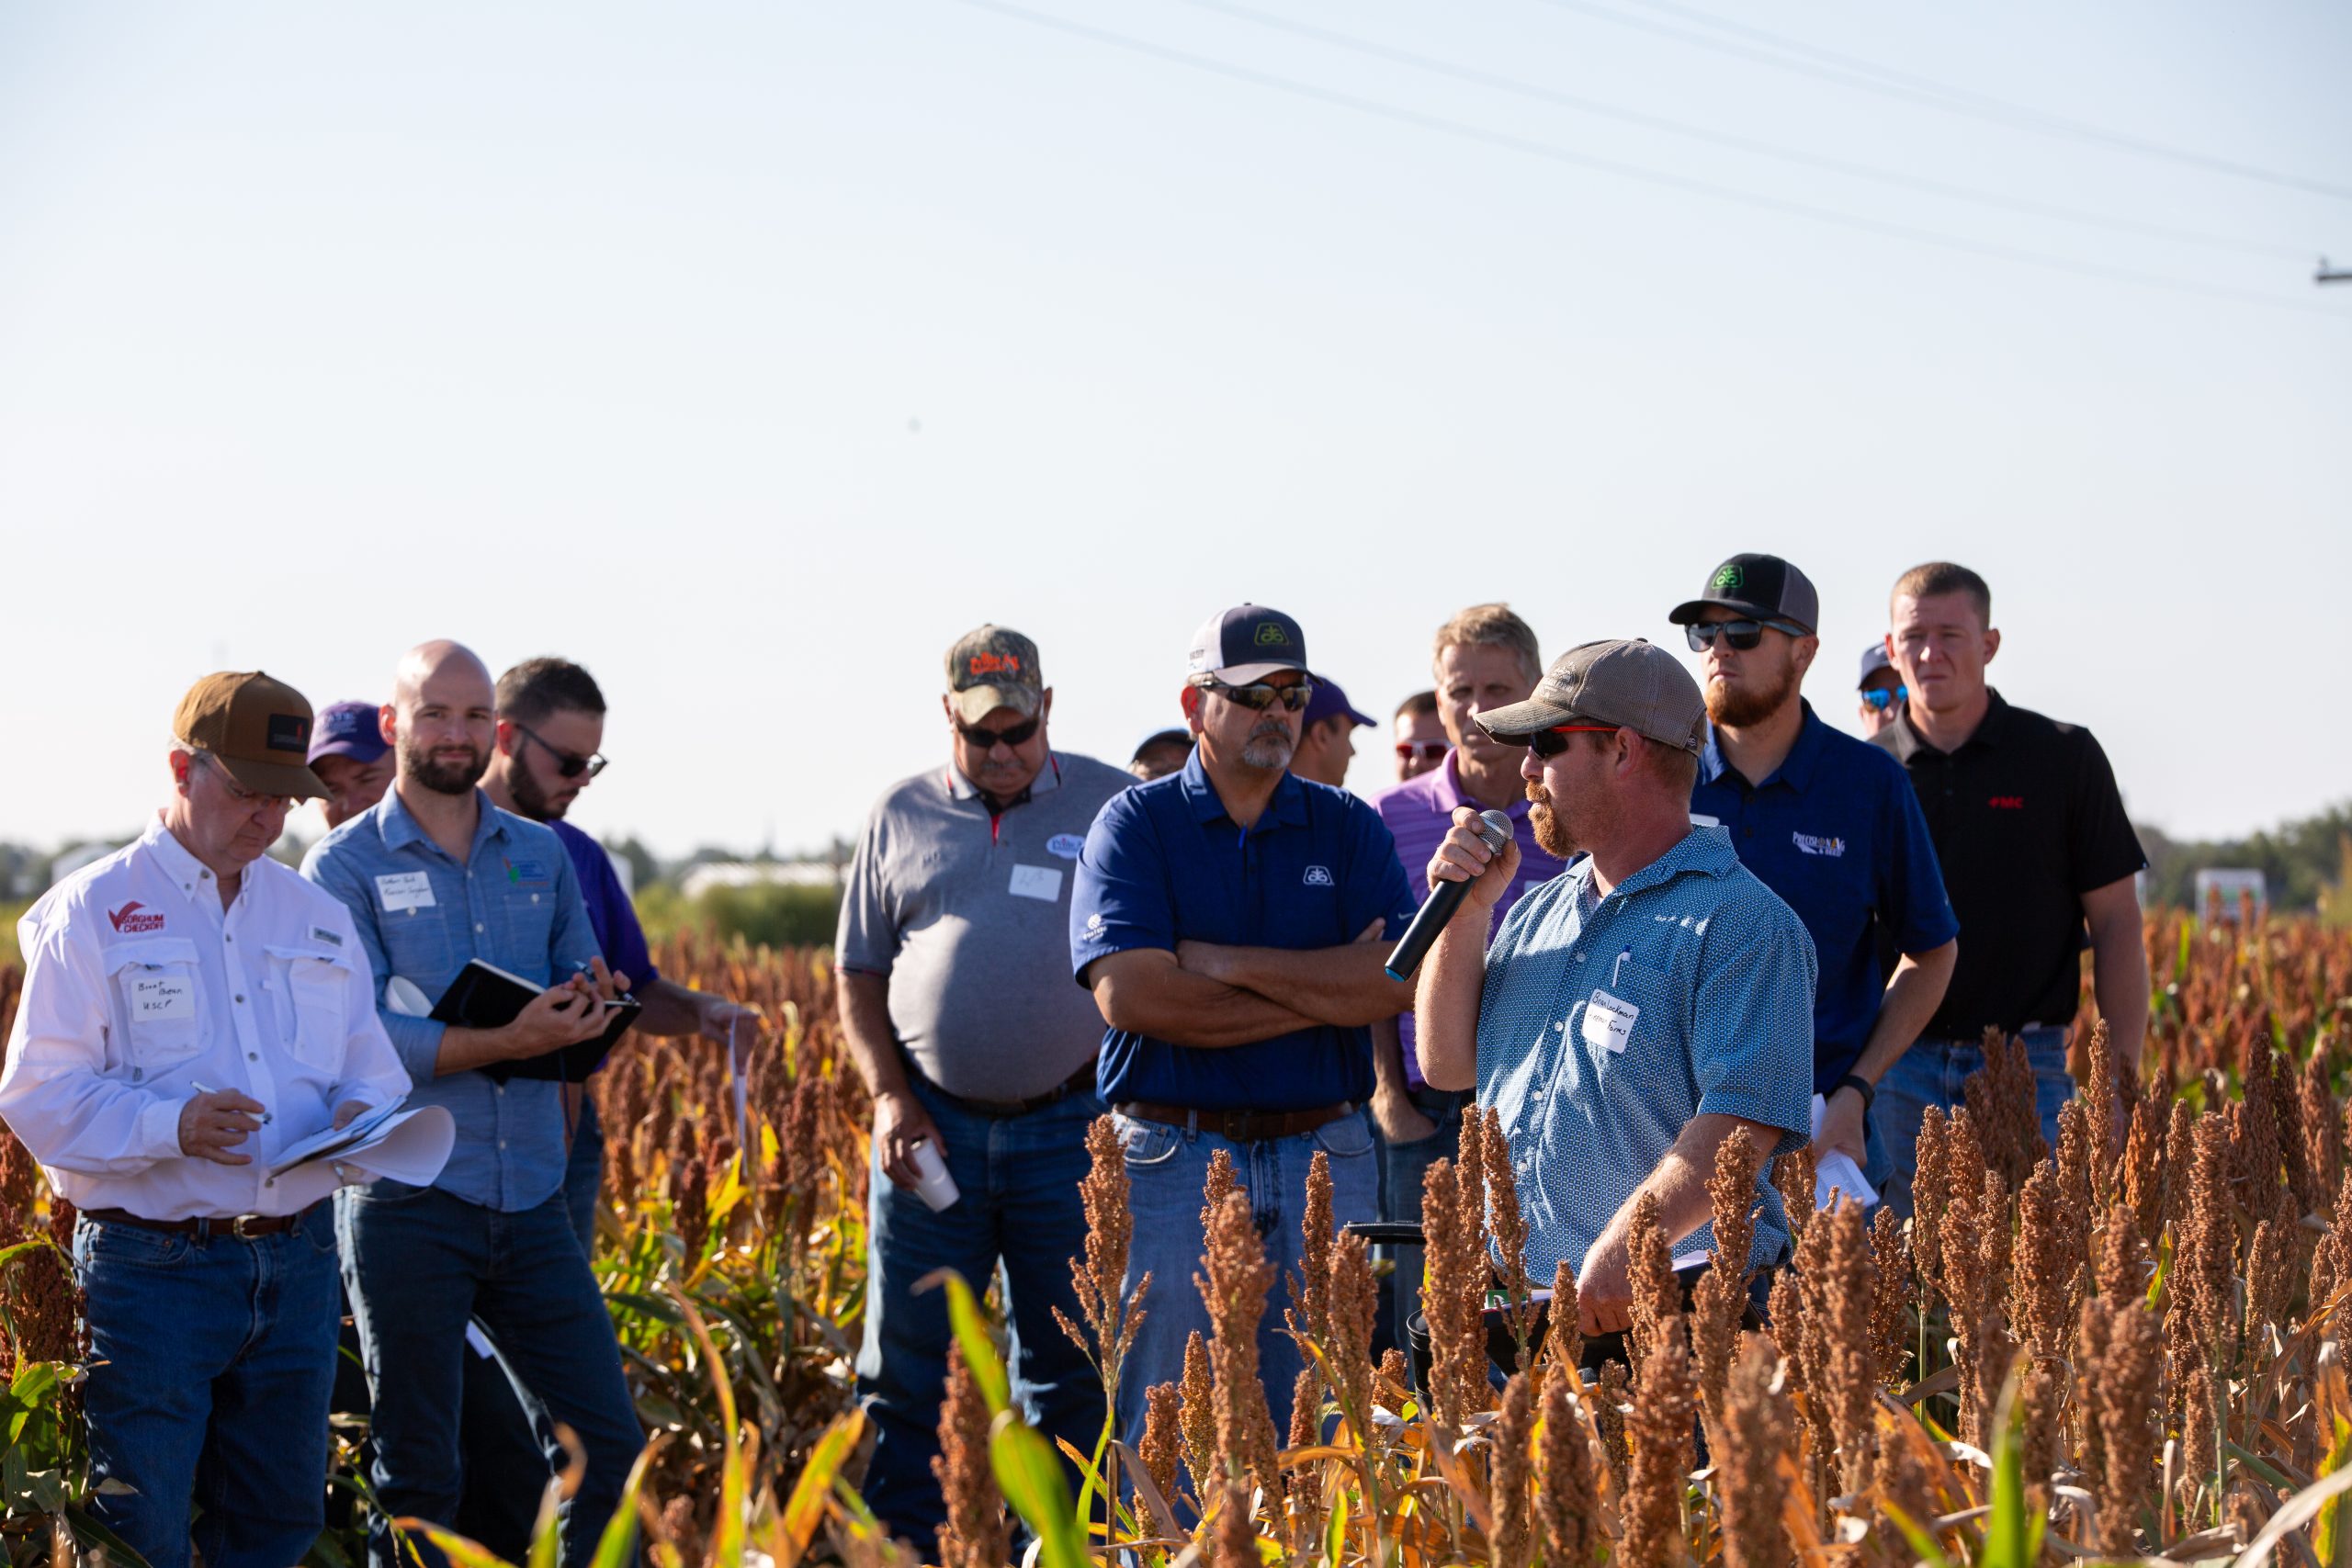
2129,1347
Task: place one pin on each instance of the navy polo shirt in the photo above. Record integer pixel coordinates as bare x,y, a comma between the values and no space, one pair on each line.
1837,833
1164,864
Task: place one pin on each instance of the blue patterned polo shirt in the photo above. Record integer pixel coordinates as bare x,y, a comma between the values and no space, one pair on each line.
1605,1027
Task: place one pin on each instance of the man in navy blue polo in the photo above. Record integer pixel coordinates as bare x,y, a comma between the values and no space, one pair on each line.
1824,822
1232,920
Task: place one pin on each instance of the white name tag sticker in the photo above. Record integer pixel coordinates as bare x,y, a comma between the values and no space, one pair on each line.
156,998
1609,1021
1037,882
404,890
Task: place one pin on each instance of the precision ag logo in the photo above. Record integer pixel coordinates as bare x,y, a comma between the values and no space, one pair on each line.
135,918
1814,845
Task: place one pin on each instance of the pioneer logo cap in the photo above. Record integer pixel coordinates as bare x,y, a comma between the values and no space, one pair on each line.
993,667
1630,686
256,728
1763,586
1246,643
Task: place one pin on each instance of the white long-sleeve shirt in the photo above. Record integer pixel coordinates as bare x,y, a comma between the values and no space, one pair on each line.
138,987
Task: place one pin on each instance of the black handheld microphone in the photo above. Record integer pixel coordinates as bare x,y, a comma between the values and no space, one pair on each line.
1494,829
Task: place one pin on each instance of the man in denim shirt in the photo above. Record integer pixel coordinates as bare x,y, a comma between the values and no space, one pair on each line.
434,876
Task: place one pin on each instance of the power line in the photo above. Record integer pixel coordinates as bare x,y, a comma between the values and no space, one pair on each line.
1895,178
1626,171
1849,71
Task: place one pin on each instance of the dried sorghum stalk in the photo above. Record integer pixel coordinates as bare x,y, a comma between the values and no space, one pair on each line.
2144,1165
2124,1405
2269,1263
1221,1180
2206,1256
2323,1152
1512,1433
1656,1307
1470,1171
1234,1288
1569,1501
1792,1175
1163,1444
1564,1335
1755,1436
2256,1150
1608,1418
2001,1101
2122,1259
2041,1301
2042,1393
2108,1102
1659,1439
1197,1411
1452,1298
975,1534
1355,1299
1233,1543
1310,1289
1930,1190
1720,1298
1842,1300
2079,1192
1508,1224
2331,1260
2180,1161
1889,1297
1306,1430
1976,1255
1110,1231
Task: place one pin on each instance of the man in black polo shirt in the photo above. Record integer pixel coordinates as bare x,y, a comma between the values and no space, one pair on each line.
2035,847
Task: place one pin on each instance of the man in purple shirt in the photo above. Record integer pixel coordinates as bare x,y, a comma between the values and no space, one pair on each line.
1486,658
551,727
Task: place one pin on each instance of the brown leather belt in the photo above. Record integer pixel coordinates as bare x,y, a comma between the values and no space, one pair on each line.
244,1227
1239,1126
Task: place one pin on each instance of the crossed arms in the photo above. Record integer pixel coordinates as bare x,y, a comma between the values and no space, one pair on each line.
1204,994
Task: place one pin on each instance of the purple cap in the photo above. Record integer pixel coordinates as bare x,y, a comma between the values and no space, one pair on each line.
1329,699
1874,659
347,729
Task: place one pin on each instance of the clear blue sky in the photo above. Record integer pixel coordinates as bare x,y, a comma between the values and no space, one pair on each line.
749,354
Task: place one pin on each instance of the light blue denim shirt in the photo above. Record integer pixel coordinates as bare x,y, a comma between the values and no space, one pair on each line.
514,901
1603,1030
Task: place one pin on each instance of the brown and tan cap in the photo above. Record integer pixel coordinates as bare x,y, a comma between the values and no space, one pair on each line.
256,728
1630,685
993,667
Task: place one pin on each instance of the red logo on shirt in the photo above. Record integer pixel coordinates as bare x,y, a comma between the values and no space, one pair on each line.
2006,802
134,917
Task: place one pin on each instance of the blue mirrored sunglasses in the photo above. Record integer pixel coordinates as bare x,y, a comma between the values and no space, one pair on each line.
1884,697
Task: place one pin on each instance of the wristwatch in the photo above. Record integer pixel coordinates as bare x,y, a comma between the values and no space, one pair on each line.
1860,1085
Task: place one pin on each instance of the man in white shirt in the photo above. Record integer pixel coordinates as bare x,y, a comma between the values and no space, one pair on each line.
191,1008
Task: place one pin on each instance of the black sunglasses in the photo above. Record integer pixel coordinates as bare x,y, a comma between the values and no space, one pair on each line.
1741,635
1259,695
1883,697
1011,735
570,764
1551,742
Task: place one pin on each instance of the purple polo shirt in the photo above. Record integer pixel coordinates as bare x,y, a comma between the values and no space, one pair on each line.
1418,812
610,914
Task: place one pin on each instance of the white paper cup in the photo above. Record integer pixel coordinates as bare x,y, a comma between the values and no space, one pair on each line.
932,1184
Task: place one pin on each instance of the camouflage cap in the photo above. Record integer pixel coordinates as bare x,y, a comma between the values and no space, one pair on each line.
993,667
1630,685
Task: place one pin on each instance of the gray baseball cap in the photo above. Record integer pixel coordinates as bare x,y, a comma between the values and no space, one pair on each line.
1626,684
993,667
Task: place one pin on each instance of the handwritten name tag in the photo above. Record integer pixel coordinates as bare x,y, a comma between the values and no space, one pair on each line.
156,997
404,890
1609,1021
1037,882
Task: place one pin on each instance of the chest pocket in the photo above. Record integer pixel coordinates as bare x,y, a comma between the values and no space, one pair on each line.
1624,1007
156,985
311,988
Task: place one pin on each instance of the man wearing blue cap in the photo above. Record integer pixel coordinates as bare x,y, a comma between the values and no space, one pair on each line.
1231,920
349,754
1327,735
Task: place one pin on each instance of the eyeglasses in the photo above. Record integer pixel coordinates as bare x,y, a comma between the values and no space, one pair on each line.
1542,745
250,799
1881,698
570,764
987,740
1422,750
1741,635
1259,695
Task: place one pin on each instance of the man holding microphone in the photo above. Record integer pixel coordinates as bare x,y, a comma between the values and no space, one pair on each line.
191,1008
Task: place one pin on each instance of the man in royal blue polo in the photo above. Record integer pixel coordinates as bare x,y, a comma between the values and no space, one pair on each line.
1231,920
1831,825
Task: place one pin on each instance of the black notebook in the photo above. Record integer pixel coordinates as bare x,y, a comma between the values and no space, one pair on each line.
483,995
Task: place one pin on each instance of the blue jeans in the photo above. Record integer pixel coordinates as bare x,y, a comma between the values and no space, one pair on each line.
1018,1207
211,1364
1932,1073
504,1453
419,1262
1402,1169
1167,1168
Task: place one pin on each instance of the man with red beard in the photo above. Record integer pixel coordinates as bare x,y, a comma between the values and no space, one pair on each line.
1830,823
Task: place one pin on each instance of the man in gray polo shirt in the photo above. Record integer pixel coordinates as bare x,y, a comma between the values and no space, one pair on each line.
957,1008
